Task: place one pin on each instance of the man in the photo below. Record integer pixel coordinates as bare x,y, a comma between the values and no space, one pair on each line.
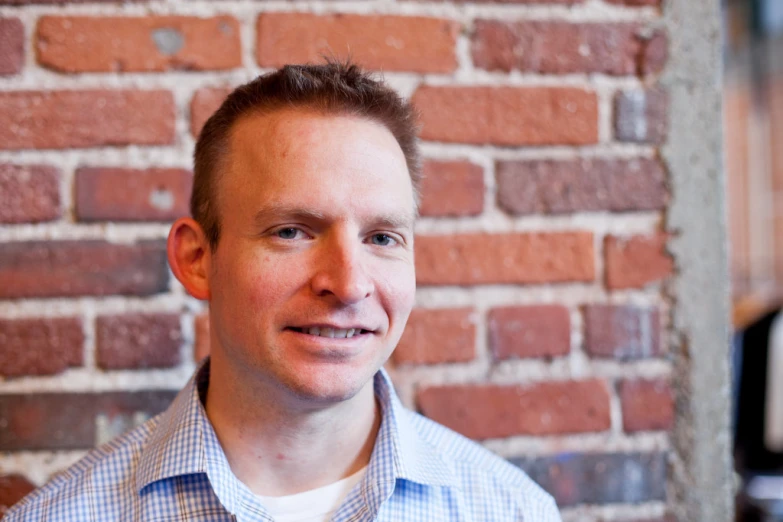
304,202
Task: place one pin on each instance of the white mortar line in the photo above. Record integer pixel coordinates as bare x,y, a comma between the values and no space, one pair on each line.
94,380
492,221
495,221
38,466
619,512
578,360
88,316
615,406
604,442
587,12
69,307
39,78
180,155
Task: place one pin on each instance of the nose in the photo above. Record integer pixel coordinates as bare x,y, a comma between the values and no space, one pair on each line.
341,272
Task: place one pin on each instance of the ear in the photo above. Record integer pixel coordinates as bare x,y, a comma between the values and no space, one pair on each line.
189,256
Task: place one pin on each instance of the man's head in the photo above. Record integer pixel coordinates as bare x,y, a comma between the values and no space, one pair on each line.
334,88
310,275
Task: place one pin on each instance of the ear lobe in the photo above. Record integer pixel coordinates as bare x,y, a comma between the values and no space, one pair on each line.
188,253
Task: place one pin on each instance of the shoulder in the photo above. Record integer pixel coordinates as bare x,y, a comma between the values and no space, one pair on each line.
466,457
483,475
103,480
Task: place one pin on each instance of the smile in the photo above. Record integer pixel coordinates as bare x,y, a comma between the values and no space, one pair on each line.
335,333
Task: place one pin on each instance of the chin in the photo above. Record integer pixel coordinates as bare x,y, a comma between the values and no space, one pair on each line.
328,387
323,396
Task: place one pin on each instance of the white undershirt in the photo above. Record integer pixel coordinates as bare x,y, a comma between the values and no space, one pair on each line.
316,505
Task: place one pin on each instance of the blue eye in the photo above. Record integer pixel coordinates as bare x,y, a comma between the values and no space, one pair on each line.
287,233
382,239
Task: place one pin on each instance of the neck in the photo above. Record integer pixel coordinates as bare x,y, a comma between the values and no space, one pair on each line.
278,446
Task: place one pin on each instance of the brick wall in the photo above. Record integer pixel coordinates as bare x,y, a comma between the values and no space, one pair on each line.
542,314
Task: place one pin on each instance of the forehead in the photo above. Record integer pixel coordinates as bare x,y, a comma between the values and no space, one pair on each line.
288,155
279,132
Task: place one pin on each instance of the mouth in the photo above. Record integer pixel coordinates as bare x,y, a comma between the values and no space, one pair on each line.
332,333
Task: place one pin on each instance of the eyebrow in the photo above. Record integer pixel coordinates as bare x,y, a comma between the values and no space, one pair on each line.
304,214
276,211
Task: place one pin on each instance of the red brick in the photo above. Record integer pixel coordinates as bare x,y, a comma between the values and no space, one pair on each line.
533,258
138,341
11,45
151,43
646,404
634,262
641,116
75,268
204,103
438,336
30,193
69,421
622,332
599,478
579,185
508,115
391,43
656,53
13,488
490,411
201,346
117,194
63,119
40,346
560,47
452,188
529,331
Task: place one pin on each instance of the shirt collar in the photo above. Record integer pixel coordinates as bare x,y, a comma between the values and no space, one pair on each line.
176,445
179,445
414,458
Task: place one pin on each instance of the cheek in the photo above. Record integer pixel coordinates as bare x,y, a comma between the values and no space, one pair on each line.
248,281
399,292
269,279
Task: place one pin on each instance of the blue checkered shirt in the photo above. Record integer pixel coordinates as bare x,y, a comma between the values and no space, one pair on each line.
172,468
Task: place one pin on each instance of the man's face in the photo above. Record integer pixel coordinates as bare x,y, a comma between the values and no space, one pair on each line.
313,278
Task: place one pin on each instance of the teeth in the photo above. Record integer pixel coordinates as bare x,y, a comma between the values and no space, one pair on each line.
333,332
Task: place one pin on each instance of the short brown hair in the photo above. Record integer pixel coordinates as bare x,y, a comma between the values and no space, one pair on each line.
331,88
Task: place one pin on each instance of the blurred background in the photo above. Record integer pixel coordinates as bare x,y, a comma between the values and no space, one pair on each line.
753,116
